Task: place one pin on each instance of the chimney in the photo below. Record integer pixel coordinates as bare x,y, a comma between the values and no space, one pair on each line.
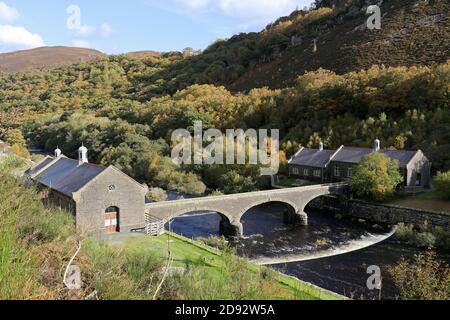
57,152
82,155
377,145
320,146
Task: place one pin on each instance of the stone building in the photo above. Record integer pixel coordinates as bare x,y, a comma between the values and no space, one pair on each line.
102,199
337,165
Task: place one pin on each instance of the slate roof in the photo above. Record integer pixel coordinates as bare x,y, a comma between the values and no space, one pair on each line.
403,157
41,165
351,154
66,176
312,157
318,159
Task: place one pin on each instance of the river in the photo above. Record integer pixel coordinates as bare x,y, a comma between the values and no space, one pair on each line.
331,253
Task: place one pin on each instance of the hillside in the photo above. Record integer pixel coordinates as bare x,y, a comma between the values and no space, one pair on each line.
143,54
45,58
413,32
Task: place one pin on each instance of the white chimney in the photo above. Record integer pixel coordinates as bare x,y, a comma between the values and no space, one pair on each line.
82,155
320,146
57,152
377,145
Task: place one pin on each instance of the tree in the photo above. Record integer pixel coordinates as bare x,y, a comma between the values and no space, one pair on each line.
376,176
15,137
157,195
20,151
442,184
424,279
233,182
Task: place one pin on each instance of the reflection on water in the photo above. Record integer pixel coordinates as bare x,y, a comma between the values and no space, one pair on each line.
267,238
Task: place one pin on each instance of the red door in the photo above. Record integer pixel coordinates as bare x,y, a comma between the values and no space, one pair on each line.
112,220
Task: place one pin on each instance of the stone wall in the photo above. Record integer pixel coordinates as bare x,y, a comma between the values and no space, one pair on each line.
380,213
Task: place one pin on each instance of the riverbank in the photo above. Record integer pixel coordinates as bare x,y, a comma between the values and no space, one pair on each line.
429,200
381,213
213,264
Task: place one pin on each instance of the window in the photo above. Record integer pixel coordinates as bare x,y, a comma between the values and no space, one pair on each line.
305,172
337,171
295,170
349,172
317,173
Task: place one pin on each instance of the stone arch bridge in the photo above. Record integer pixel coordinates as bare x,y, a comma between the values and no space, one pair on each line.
232,207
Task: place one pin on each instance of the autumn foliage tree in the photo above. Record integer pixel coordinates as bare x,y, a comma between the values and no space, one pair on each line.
376,177
425,278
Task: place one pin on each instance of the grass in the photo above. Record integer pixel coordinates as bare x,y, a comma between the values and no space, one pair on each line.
215,266
26,228
428,200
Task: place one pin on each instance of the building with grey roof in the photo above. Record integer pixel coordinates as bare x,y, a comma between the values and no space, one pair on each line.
311,163
337,165
102,199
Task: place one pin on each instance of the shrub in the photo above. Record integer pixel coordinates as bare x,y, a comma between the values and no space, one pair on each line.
442,237
157,194
216,193
11,163
424,236
214,241
20,151
425,278
442,184
376,176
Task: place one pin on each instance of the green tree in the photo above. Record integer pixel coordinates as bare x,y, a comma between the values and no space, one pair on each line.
376,176
442,184
233,182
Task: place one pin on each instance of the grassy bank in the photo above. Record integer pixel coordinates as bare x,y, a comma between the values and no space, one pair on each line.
36,243
429,200
223,271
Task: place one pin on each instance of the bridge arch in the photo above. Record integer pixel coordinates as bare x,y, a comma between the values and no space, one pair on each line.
188,210
228,225
285,211
289,204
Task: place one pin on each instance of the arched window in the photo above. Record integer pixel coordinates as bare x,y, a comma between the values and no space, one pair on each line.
112,223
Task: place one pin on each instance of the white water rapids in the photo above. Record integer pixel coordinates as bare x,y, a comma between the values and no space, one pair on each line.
353,245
